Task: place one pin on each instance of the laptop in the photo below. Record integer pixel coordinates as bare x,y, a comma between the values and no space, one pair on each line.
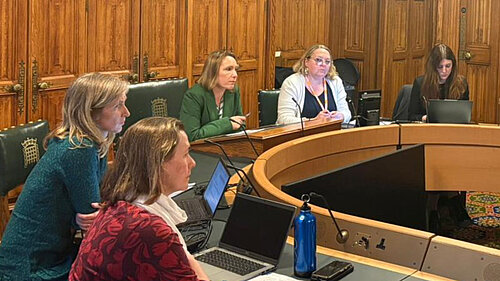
252,241
449,111
202,208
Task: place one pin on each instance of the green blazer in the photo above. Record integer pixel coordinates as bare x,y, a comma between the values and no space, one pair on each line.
200,115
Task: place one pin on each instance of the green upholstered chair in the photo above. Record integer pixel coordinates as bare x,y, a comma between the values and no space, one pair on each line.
155,98
268,107
20,149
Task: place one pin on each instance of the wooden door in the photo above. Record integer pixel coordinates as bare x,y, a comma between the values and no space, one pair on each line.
478,56
113,38
404,42
354,36
13,53
163,39
206,32
56,47
246,38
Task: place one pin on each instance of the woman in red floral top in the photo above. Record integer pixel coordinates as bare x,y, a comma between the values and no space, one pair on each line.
134,237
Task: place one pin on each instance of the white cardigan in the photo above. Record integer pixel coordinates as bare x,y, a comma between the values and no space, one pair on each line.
295,87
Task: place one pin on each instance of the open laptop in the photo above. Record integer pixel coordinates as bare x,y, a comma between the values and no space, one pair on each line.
252,241
449,111
201,208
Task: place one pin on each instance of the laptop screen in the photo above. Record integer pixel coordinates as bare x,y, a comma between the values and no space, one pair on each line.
216,186
257,227
449,111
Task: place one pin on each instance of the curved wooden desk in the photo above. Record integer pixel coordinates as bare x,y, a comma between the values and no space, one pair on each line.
457,157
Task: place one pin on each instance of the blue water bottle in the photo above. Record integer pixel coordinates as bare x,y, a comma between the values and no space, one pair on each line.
305,241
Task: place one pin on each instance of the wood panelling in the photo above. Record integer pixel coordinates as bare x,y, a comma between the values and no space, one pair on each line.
56,46
354,36
163,38
481,40
13,50
114,27
404,42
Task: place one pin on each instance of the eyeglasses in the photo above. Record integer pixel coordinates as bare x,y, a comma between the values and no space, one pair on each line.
320,61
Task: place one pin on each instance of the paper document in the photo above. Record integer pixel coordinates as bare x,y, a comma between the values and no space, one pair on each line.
273,277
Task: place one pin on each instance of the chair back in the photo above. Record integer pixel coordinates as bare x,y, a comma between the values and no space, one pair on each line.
268,107
20,149
350,77
400,111
155,98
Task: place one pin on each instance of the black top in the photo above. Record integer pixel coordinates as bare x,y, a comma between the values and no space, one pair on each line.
312,108
417,107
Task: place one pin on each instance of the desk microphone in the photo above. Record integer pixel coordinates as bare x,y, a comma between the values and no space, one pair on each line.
300,112
426,107
342,234
356,115
247,190
243,127
225,155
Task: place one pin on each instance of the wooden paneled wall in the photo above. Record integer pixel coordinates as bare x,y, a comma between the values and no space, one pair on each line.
46,44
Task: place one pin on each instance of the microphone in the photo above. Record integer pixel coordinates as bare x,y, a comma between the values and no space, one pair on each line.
247,190
356,115
426,106
243,127
342,234
225,155
300,112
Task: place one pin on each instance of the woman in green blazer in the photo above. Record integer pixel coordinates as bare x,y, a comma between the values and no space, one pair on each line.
213,105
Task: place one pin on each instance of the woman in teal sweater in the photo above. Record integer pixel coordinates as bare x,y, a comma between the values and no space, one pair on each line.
213,106
38,241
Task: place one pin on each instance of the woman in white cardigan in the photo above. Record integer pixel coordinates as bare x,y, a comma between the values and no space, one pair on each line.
316,88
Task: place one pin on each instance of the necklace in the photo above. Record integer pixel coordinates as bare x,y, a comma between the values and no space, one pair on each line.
311,90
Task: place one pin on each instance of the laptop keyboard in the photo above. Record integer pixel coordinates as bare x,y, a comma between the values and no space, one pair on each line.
229,262
192,209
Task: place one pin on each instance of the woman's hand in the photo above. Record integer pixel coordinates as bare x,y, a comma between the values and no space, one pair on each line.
424,118
337,115
195,266
238,120
85,220
323,116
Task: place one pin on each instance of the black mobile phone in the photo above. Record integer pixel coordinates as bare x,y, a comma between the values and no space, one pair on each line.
332,271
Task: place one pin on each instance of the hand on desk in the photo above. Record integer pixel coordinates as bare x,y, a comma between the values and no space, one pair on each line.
329,115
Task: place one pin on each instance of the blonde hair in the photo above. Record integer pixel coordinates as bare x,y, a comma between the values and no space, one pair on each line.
210,73
136,169
86,97
300,65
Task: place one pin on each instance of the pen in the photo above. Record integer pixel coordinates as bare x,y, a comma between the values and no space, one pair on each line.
248,114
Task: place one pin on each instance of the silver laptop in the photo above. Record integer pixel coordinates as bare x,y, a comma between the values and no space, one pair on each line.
449,111
252,241
202,208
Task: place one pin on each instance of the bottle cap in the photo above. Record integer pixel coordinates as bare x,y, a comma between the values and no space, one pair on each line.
306,199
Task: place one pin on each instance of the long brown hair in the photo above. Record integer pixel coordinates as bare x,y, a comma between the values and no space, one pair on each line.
455,82
300,65
136,169
210,73
88,94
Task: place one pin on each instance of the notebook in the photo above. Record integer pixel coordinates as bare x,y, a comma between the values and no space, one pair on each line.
201,208
449,111
253,238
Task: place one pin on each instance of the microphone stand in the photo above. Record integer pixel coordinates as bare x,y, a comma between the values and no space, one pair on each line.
342,235
252,187
243,126
300,113
225,154
356,115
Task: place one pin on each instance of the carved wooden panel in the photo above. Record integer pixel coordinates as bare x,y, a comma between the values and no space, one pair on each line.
481,40
163,37
13,32
113,27
57,36
246,35
405,41
207,31
354,35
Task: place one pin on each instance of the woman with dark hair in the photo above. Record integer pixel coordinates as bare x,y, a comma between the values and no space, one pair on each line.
315,91
440,81
209,106
134,236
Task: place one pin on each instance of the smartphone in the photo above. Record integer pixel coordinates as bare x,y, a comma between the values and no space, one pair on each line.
332,271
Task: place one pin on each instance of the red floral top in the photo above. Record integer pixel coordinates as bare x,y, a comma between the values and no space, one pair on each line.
126,242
